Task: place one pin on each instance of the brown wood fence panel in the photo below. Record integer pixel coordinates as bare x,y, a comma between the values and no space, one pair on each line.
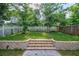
72,29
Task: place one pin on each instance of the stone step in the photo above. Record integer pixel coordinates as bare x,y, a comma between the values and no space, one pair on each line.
40,48
40,45
40,40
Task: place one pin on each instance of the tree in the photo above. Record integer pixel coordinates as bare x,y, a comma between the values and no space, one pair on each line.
27,16
3,12
59,18
75,13
49,10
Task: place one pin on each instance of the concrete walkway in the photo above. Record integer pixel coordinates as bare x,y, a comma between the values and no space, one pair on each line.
41,53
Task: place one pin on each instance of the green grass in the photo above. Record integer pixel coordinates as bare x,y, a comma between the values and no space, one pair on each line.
37,35
69,52
19,36
63,36
42,35
9,52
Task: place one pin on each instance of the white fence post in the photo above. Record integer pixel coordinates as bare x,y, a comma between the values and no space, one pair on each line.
13,29
3,29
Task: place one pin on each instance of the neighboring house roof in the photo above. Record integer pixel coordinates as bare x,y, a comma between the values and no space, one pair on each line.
13,19
7,21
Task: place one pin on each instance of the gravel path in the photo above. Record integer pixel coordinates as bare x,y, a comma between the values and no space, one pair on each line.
41,53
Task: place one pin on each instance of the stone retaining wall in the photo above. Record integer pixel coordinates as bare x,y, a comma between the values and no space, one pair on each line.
66,45
60,45
13,45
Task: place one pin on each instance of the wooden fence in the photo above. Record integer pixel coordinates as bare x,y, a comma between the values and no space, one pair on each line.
6,30
72,29
42,28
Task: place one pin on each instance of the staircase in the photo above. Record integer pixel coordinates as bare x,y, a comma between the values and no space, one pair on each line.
40,45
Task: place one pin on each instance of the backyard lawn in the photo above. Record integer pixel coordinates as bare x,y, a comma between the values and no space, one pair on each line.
69,52
63,36
42,35
9,52
19,36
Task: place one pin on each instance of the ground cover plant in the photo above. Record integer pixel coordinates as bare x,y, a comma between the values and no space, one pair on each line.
69,52
11,52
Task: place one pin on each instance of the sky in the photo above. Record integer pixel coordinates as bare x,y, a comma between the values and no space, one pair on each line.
67,5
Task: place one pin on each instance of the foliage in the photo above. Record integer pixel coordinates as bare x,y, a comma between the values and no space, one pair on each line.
49,10
69,52
27,16
60,18
3,12
11,52
53,14
75,13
